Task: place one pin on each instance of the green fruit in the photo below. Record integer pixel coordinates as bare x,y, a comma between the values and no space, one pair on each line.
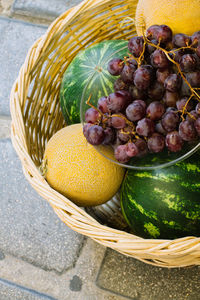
87,75
163,203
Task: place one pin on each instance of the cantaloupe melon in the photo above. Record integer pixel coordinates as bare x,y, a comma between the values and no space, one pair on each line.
75,168
182,16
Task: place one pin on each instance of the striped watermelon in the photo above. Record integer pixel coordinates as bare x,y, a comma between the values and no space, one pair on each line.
87,74
163,203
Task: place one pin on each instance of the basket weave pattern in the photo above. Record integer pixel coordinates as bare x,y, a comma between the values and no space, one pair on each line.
36,116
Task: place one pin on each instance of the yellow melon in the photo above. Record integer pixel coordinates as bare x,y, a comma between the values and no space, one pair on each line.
75,168
182,16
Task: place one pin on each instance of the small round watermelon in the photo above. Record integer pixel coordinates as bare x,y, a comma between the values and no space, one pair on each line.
87,75
163,203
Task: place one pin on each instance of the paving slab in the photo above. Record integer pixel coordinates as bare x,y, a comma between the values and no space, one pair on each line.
29,227
6,4
5,123
136,280
11,291
44,9
16,37
77,283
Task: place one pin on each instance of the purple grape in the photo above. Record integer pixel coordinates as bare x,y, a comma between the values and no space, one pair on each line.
127,95
156,143
187,131
181,40
121,154
136,93
198,51
141,102
102,105
197,59
145,127
118,101
159,59
192,116
180,104
155,110
152,32
164,34
188,63
143,77
115,66
92,116
159,128
195,38
156,91
197,126
127,73
133,62
185,90
124,134
142,147
131,149
170,99
95,135
170,121
197,108
162,74
151,49
86,128
173,141
135,45
161,33
194,78
173,83
173,109
109,136
135,111
119,121
119,85
106,119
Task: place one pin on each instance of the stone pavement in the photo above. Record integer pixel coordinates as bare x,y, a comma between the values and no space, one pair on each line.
40,257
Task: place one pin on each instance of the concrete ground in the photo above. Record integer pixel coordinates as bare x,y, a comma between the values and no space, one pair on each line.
40,257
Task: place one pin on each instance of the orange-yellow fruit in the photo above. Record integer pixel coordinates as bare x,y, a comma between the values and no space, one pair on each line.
78,171
182,16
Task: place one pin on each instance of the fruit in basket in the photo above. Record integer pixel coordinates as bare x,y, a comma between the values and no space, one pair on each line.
75,169
150,101
163,203
181,15
88,72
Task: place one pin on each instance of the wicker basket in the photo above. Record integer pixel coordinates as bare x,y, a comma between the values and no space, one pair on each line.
36,116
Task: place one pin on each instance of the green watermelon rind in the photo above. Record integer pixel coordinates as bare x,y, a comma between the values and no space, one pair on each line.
163,203
86,66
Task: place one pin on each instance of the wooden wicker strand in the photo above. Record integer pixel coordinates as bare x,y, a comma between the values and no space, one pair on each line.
36,116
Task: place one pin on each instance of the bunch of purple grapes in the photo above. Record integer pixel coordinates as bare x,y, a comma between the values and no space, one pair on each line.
156,101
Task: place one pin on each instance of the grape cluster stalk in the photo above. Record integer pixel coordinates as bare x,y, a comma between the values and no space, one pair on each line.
156,99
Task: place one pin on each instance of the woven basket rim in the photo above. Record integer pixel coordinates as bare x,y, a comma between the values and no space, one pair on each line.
178,253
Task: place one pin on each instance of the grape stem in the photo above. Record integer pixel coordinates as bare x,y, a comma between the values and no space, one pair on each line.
191,116
91,105
124,118
140,59
131,133
177,49
185,106
128,132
